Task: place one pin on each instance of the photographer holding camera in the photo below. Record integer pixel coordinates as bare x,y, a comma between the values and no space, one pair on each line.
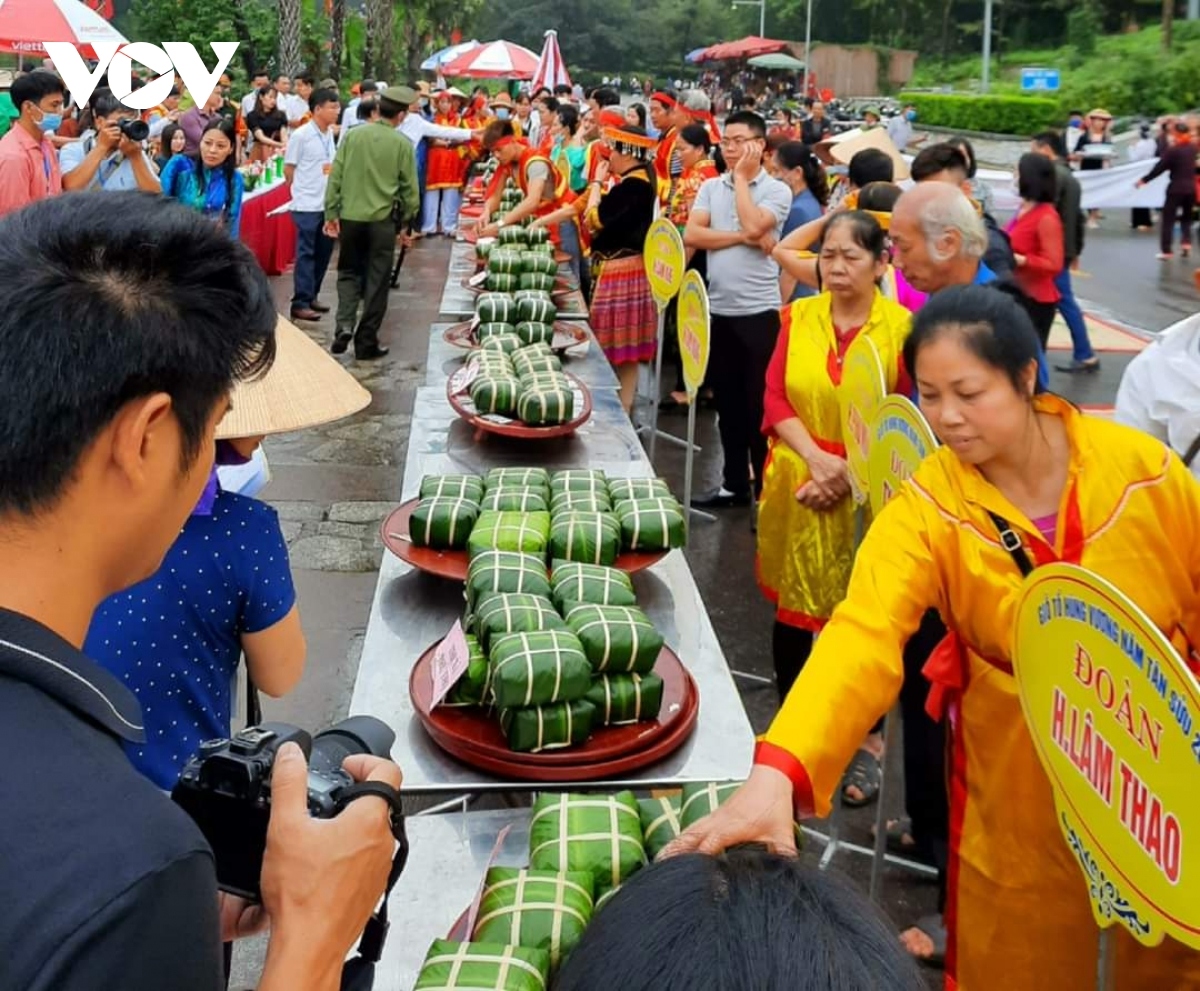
118,352
109,155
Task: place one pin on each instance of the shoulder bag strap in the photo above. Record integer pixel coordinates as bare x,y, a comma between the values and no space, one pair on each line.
1011,542
1190,454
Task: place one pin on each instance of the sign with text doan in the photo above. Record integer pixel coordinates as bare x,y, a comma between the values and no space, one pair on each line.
1115,718
694,335
900,440
862,390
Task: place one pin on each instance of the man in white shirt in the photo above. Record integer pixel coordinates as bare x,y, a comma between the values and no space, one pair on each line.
368,90
737,219
416,128
261,78
105,157
293,106
1160,391
306,165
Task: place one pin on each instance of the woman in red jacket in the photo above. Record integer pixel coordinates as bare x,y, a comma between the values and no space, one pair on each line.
1036,233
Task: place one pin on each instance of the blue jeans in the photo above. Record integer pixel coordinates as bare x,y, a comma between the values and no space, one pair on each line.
1073,316
313,251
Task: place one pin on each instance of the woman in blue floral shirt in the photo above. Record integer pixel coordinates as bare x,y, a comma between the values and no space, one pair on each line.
209,182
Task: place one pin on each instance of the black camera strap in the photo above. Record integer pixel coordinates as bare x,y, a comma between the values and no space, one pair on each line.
359,973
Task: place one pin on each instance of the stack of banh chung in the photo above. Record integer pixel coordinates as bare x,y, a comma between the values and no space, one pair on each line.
521,378
581,848
556,652
447,511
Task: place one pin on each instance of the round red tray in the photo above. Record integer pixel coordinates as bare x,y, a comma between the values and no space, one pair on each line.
516,428
453,564
474,736
567,334
561,286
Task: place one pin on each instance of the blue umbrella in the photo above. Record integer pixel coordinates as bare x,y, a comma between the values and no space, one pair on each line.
447,55
692,56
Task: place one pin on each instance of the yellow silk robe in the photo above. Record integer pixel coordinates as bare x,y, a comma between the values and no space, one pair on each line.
1018,911
805,556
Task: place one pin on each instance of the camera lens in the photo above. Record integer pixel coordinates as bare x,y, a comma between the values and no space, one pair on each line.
135,130
356,735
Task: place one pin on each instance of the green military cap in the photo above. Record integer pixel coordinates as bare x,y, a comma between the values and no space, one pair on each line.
406,96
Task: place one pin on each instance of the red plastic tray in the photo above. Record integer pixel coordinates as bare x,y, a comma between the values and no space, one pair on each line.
453,564
567,333
474,736
516,428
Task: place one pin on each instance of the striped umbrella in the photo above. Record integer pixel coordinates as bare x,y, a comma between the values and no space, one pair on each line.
495,60
26,24
551,71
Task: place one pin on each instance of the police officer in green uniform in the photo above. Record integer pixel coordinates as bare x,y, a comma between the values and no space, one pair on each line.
372,191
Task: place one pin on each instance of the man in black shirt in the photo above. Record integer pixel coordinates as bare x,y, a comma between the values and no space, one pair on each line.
120,337
817,127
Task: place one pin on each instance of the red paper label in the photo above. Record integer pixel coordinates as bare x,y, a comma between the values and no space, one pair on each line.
449,662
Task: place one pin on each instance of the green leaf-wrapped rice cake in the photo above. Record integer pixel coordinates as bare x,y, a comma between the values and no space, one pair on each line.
483,967
527,477
503,571
542,406
539,235
534,333
532,729
601,834
495,394
494,329
621,699
618,639
590,480
660,822
538,668
475,685
502,282
631,489
442,522
535,280
468,487
512,234
513,612
522,533
650,524
587,537
699,800
543,910
504,343
572,582
535,359
494,307
536,309
514,500
595,502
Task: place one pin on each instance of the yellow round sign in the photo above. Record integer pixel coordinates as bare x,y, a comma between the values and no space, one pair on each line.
900,440
665,261
862,389
693,332
1115,717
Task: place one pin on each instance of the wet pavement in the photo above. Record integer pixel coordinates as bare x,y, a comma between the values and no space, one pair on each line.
333,485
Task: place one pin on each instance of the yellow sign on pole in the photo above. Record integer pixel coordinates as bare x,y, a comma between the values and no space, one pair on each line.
693,332
900,440
665,261
1115,718
862,390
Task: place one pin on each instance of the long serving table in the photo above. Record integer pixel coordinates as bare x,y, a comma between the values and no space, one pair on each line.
412,610
268,231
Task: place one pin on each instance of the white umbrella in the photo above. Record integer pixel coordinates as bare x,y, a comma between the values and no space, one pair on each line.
551,71
496,60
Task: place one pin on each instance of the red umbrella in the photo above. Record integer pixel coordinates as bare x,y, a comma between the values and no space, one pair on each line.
26,24
745,48
551,70
496,60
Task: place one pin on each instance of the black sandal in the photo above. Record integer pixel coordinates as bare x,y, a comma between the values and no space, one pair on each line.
866,774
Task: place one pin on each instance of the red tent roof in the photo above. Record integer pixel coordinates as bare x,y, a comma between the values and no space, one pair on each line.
745,48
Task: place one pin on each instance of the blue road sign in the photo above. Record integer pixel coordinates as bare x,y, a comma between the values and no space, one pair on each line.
1039,80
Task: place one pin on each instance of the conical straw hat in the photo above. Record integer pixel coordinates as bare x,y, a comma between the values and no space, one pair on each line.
840,149
305,387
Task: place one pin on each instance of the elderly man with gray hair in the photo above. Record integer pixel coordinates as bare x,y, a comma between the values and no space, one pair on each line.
939,240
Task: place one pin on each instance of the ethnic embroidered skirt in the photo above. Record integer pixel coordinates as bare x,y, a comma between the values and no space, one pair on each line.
623,316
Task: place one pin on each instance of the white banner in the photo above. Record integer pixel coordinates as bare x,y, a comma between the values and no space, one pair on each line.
1101,188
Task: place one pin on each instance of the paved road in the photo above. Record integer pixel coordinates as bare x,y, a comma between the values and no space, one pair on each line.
333,485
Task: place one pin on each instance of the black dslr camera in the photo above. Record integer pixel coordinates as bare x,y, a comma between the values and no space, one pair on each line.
134,129
226,788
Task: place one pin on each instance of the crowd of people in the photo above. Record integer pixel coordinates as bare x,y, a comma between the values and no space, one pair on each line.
118,445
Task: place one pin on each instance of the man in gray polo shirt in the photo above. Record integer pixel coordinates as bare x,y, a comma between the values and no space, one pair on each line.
737,219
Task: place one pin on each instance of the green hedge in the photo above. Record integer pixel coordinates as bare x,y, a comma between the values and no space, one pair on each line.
996,114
